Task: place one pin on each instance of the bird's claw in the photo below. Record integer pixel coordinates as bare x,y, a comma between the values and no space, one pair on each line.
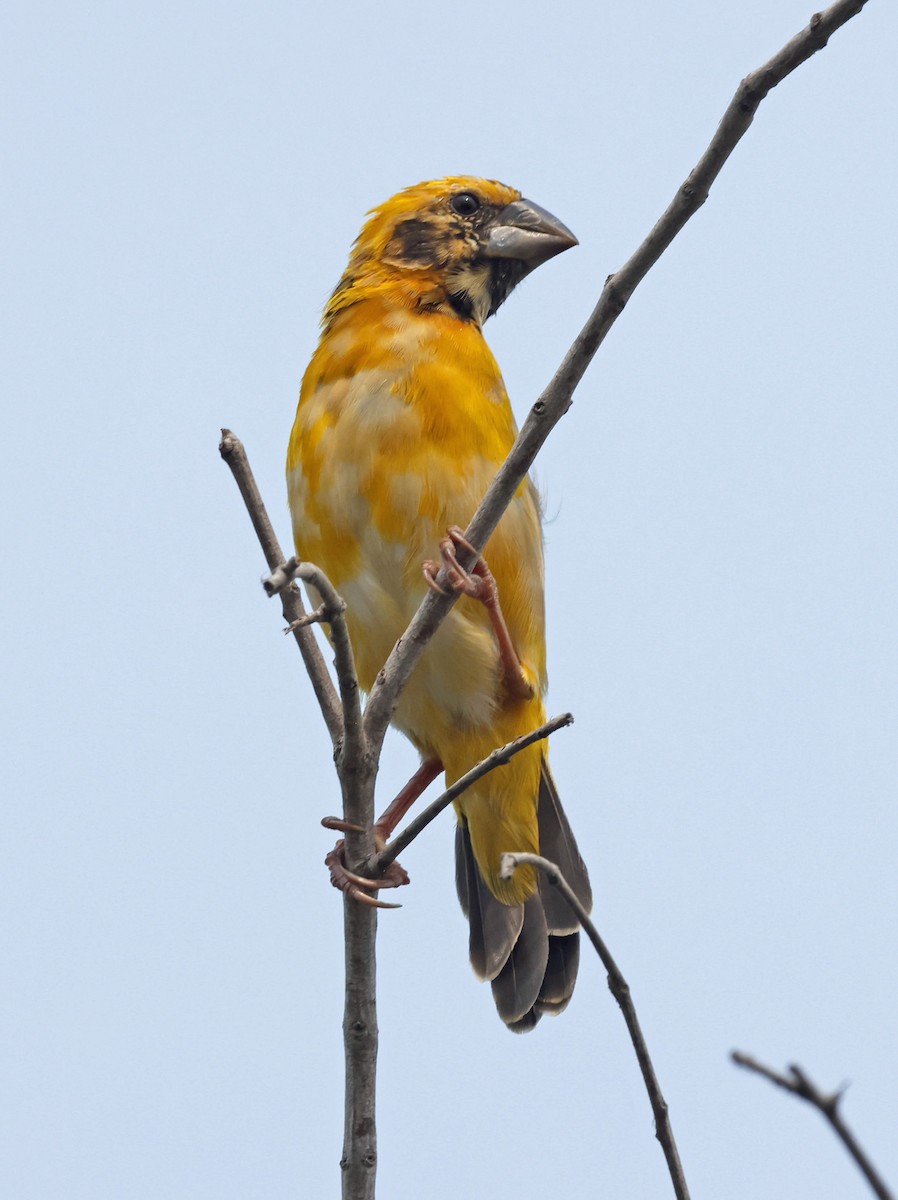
352,885
475,583
478,582
340,825
429,569
456,535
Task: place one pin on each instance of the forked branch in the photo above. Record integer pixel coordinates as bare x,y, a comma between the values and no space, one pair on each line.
798,1083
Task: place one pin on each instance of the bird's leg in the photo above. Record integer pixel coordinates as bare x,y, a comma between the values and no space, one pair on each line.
396,809
395,876
479,584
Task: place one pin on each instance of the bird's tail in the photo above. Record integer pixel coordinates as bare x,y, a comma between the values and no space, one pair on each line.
529,951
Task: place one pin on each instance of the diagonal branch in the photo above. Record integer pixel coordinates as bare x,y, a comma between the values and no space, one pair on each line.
620,990
798,1083
497,758
619,287
232,451
357,772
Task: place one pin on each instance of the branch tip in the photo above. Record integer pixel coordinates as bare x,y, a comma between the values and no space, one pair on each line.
234,454
800,1084
620,989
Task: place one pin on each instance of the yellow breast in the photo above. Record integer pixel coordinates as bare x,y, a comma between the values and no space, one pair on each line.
402,423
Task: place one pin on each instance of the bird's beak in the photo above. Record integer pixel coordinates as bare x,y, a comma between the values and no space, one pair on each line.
528,233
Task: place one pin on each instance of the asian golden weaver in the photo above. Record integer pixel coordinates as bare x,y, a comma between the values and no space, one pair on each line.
403,421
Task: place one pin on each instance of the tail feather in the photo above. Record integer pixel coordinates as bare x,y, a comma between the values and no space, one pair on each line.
495,927
529,951
557,986
517,986
557,843
561,974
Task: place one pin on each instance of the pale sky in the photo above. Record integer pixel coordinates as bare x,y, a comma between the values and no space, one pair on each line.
183,182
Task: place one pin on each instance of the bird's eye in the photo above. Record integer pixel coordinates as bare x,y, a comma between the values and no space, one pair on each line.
465,204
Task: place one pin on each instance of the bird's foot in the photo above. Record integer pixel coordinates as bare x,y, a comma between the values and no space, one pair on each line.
356,886
479,583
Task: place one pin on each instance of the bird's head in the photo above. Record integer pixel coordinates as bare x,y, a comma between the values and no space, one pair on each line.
459,243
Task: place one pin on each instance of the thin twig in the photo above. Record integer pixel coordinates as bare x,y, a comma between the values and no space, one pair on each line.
798,1083
619,287
344,660
315,617
234,454
497,758
620,989
332,612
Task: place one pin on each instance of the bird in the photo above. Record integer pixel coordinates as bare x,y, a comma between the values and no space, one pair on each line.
402,422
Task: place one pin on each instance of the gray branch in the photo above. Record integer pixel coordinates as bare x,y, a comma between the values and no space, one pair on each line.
233,453
332,612
357,769
620,990
356,773
798,1083
619,287
498,758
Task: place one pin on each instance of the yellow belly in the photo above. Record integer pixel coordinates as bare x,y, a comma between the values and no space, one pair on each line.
388,450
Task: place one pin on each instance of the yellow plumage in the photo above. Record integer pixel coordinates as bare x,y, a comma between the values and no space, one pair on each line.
403,421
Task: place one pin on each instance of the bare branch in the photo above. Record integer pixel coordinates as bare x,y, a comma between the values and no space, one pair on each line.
315,617
359,1162
333,611
356,774
620,989
358,768
799,1084
619,287
234,454
497,758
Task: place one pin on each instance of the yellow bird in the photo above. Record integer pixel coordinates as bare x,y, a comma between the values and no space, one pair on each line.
403,421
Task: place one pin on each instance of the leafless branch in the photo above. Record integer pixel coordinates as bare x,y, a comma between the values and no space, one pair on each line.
497,758
333,609
620,989
232,451
619,287
357,769
356,772
798,1083
315,617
